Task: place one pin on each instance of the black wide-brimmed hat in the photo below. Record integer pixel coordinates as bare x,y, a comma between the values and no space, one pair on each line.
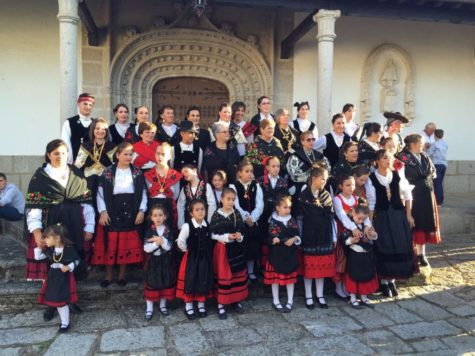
187,126
393,116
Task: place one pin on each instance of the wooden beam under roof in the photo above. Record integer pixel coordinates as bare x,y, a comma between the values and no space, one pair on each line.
288,44
89,24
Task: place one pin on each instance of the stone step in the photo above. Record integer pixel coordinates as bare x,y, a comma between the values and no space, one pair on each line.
12,259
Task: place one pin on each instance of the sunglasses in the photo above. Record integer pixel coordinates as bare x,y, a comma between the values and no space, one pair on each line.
313,139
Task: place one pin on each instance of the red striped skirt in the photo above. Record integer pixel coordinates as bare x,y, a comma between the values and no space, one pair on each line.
121,248
73,296
365,288
271,276
420,237
180,285
230,287
154,295
319,266
35,270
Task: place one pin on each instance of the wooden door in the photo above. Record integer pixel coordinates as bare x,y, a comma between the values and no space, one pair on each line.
183,92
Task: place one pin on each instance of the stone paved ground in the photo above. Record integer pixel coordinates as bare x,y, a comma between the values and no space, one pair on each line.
433,316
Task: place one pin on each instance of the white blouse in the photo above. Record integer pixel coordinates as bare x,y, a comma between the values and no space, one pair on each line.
258,209
39,255
181,203
304,125
185,147
152,247
285,220
404,187
342,215
224,238
34,217
185,233
321,143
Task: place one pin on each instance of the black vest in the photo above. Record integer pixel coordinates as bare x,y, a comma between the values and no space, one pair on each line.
248,204
79,134
382,201
186,157
297,126
332,151
116,138
199,240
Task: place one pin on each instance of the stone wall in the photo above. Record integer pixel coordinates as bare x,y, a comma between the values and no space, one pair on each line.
460,176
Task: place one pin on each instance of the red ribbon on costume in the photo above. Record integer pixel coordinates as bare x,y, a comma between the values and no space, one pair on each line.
248,129
86,98
266,172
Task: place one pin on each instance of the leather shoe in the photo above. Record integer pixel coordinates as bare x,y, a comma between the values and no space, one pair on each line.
49,313
386,291
393,289
238,308
423,260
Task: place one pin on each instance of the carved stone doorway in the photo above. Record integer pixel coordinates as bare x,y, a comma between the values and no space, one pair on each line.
183,92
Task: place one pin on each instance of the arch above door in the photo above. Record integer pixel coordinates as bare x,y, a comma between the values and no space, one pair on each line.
169,53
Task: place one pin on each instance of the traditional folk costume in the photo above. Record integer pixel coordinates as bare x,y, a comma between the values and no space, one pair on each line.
420,172
195,277
229,260
122,194
393,249
249,203
241,138
164,190
218,159
259,150
75,132
367,151
144,155
281,267
203,192
237,139
186,154
343,167
304,125
132,134
271,187
255,123
203,138
289,139
169,134
360,275
59,288
118,132
58,195
318,234
330,145
160,275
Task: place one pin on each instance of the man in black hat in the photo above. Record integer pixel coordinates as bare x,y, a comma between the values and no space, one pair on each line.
188,150
394,125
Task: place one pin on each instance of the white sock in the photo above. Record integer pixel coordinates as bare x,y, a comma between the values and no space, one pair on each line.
340,289
163,303
221,309
353,297
64,315
384,281
308,287
393,281
364,297
319,287
275,293
290,293
149,306
189,308
201,305
423,249
250,267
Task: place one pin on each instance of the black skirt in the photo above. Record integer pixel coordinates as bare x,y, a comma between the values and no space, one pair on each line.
199,275
360,265
283,258
122,215
161,271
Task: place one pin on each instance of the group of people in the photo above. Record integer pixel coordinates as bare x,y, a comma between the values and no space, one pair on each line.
207,212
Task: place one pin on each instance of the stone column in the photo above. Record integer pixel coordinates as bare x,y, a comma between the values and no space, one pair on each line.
325,36
68,56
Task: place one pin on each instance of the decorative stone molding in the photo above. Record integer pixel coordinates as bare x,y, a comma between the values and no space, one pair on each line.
166,53
390,55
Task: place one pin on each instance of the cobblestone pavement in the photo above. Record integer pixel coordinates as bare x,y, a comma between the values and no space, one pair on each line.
433,315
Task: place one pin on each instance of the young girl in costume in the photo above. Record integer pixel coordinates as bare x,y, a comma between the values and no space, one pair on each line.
195,278
219,180
194,188
229,260
318,235
360,277
59,288
161,271
281,267
250,204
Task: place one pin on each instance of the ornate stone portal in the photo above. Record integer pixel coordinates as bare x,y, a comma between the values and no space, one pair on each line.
387,83
186,52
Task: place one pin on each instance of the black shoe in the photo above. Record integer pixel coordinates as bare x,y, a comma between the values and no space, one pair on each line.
386,291
190,314
105,283
309,305
288,307
75,309
164,311
148,315
62,329
222,313
278,308
367,303
393,289
202,312
423,260
122,282
49,313
323,305
238,308
355,305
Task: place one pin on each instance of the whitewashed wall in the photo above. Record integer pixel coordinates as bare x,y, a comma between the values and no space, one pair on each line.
443,56
29,76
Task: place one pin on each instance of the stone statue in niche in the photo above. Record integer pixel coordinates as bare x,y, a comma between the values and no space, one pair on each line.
388,80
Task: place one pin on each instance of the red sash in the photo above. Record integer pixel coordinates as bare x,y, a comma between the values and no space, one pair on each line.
145,153
156,182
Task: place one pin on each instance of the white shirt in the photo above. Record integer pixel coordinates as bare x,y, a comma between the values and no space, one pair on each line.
185,233
39,255
224,238
258,209
342,215
66,134
404,187
427,139
34,217
285,220
373,145
185,147
304,125
358,248
181,203
152,247
170,130
123,184
122,128
321,143
350,128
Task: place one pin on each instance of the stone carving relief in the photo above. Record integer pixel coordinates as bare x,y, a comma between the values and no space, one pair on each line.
387,83
172,52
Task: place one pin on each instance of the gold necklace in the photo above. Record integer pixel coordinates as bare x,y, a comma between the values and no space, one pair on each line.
60,256
97,152
161,184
